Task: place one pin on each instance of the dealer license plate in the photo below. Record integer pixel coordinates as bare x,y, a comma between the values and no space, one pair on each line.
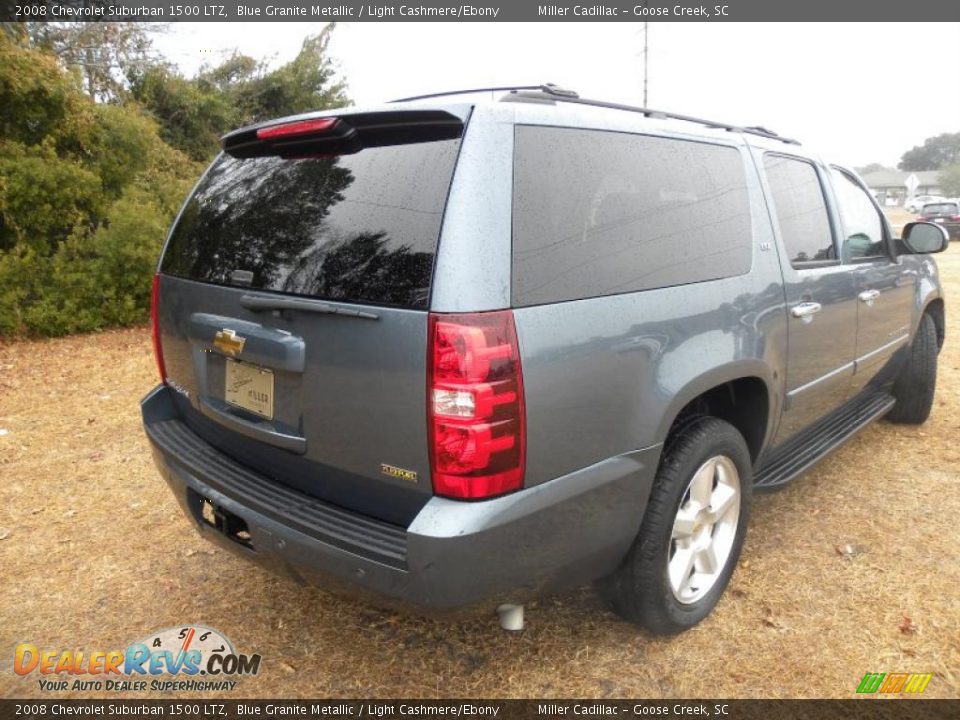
249,387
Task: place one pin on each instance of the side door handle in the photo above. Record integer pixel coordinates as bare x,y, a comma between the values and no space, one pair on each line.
805,310
868,296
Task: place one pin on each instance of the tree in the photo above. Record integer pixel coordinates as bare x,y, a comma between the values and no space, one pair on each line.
935,153
950,180
871,168
104,53
87,191
304,84
194,113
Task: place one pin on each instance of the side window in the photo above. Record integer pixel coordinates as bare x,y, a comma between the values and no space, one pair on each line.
600,213
801,209
862,226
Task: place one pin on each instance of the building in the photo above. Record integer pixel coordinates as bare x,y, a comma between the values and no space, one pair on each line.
891,187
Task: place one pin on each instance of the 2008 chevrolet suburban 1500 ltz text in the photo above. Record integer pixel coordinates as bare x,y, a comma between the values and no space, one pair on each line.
462,354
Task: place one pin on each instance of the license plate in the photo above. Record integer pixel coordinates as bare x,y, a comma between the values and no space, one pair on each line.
939,220
249,387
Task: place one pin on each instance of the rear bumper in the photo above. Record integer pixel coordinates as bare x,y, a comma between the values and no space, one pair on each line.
555,535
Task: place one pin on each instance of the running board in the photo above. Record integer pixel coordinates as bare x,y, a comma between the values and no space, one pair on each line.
822,438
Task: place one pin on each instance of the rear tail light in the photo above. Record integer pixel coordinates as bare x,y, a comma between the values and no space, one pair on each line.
477,428
921,218
956,218
297,129
155,327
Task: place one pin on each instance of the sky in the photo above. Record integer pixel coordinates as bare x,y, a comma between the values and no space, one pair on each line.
854,93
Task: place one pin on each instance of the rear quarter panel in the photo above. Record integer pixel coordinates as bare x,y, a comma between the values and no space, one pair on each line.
606,376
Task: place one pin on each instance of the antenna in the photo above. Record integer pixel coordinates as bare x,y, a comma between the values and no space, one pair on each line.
646,49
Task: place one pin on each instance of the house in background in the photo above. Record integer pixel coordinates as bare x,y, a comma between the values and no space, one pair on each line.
892,187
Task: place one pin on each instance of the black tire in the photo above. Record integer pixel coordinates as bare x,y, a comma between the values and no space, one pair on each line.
639,590
917,380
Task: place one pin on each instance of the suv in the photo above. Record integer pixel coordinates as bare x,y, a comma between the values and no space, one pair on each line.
946,213
916,205
452,355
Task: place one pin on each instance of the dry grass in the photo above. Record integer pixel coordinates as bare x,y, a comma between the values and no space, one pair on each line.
95,554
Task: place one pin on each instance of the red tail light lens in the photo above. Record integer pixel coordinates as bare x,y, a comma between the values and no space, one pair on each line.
475,405
920,218
956,218
155,327
295,129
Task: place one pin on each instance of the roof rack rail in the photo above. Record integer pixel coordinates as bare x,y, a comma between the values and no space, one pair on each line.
546,88
549,91
651,113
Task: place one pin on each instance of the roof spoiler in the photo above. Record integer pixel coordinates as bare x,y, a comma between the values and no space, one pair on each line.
341,135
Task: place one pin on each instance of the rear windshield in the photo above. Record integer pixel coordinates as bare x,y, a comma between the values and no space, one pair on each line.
600,213
940,209
361,228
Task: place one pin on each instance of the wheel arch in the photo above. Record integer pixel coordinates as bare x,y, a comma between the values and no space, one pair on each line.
732,394
936,309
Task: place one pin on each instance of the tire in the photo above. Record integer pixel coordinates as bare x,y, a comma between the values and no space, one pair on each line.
640,590
917,380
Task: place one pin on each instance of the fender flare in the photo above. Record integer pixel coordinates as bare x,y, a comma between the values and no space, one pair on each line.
715,377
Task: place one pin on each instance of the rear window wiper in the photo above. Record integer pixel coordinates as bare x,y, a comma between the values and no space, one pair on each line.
261,303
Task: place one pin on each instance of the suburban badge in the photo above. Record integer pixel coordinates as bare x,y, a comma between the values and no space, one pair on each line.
396,472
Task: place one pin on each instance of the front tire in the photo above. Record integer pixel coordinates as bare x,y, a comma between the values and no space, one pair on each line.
917,381
692,533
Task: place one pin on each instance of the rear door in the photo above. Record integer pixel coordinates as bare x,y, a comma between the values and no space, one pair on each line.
294,292
885,288
822,313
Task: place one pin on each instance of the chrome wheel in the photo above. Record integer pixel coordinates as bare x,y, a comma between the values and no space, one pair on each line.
704,529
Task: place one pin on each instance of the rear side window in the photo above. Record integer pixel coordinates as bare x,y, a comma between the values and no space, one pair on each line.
940,209
361,228
801,209
599,213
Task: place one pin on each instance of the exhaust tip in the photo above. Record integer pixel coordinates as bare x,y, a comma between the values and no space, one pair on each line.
511,617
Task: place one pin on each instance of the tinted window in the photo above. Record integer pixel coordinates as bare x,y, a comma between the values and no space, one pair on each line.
862,227
940,209
598,213
801,209
358,227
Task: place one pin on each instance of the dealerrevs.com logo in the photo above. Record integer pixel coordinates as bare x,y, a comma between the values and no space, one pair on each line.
190,657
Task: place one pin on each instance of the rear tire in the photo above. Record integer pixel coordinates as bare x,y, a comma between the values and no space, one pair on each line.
917,381
665,582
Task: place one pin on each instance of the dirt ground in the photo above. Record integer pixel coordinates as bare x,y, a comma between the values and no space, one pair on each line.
853,568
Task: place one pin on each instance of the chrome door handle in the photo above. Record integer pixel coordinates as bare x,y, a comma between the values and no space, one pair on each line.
868,296
805,310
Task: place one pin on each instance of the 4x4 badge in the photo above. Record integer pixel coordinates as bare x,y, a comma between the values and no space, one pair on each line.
228,342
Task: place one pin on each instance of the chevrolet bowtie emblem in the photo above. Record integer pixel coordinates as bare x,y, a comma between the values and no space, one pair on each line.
228,342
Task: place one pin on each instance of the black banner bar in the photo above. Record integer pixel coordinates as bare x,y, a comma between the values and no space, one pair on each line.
207,709
476,11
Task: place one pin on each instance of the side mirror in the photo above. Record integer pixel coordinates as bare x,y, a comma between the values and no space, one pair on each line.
923,238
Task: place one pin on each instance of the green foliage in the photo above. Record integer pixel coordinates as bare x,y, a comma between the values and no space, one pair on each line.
43,198
193,114
36,97
88,189
304,84
935,153
950,180
87,192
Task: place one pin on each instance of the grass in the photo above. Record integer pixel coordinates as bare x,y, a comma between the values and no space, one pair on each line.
96,554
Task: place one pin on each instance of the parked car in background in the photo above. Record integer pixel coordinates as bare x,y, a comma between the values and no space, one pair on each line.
464,354
920,200
945,213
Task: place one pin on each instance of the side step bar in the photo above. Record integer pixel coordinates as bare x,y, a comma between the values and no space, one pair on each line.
813,444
